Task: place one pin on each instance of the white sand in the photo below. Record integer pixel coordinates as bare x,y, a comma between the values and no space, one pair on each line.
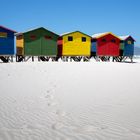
70,101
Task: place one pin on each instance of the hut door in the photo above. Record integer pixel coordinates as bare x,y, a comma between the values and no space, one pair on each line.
60,50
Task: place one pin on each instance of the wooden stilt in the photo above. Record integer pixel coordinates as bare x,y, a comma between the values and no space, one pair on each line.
32,58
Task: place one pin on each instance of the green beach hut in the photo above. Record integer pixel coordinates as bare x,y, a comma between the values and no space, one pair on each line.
37,42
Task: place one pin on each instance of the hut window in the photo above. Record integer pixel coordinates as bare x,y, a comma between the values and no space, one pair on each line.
33,37
83,39
70,38
104,40
129,42
48,37
3,35
113,40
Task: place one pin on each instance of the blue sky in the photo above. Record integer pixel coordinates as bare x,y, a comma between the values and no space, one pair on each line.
121,17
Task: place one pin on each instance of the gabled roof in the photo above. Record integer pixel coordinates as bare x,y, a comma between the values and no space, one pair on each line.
99,35
7,29
21,33
126,37
17,34
67,33
33,30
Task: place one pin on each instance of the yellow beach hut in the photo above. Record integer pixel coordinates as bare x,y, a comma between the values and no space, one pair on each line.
74,44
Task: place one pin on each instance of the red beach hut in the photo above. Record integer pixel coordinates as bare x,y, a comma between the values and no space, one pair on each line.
105,44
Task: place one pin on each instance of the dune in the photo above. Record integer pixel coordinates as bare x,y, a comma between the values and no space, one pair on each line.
70,101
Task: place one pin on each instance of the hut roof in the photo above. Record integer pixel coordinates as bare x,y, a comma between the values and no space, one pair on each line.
7,29
33,30
126,37
67,33
99,35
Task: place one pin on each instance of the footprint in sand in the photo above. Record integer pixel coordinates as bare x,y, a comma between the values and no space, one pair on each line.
52,104
60,113
104,127
27,127
57,126
48,91
49,97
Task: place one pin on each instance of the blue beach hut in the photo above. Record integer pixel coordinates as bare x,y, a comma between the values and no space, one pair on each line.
127,46
7,46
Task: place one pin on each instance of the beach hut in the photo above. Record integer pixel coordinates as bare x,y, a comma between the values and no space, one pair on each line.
127,46
7,46
105,44
37,42
74,44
